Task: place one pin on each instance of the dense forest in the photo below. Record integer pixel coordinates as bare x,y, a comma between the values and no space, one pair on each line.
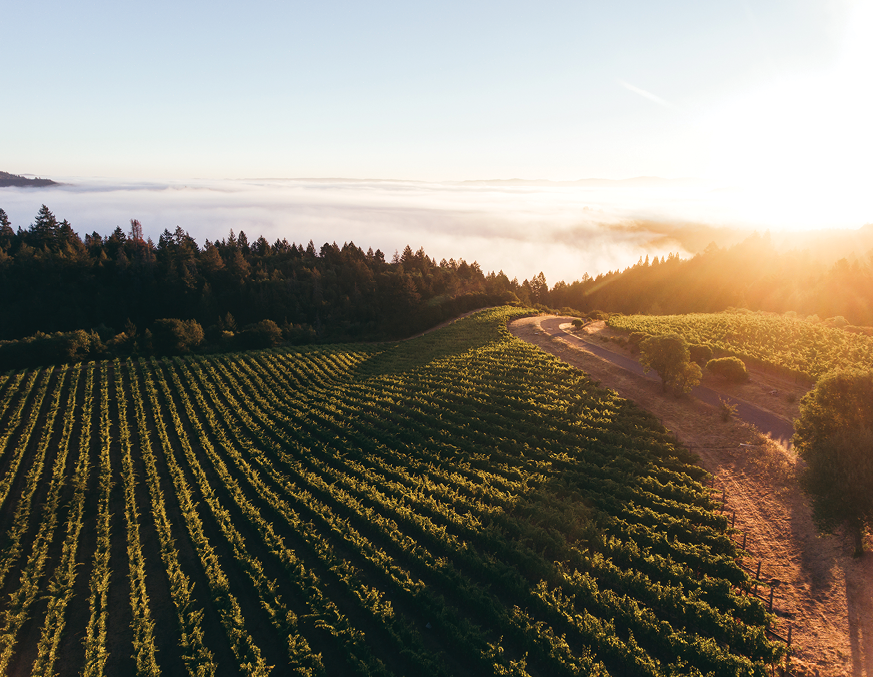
55,280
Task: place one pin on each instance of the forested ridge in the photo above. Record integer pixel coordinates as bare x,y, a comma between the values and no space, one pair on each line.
753,274
56,280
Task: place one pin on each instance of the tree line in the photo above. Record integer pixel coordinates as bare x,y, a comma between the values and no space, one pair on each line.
752,274
55,280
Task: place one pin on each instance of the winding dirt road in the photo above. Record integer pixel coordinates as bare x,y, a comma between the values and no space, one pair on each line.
778,428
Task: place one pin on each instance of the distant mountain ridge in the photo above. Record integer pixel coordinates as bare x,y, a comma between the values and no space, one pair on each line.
7,179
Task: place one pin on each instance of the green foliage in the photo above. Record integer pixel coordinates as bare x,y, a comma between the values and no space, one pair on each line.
298,334
464,486
729,368
668,356
833,435
172,336
263,334
798,347
700,353
54,280
57,348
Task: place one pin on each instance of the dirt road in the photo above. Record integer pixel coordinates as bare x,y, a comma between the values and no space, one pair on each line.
767,422
821,591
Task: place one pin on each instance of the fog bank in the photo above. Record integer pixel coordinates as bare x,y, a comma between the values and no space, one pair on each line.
521,227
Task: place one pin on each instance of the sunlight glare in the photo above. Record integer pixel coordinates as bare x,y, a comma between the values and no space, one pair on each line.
798,151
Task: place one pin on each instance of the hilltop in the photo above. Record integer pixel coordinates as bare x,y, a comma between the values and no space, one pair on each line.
7,179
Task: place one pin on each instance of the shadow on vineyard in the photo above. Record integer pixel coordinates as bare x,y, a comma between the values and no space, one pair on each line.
460,503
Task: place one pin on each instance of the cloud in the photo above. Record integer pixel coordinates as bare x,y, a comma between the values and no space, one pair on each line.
562,230
647,95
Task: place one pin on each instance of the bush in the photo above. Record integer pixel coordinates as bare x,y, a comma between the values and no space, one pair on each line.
578,323
298,334
730,368
172,336
726,409
57,348
635,339
700,353
263,334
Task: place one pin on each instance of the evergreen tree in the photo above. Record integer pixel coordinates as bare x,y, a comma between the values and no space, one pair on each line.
44,231
7,235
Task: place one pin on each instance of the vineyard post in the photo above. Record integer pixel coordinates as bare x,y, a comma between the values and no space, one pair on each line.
771,599
758,574
744,540
733,519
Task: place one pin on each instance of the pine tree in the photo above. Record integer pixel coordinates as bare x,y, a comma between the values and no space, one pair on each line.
44,231
7,235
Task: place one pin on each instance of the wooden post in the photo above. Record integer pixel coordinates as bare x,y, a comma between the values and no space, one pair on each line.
771,600
723,497
789,635
734,519
758,574
744,540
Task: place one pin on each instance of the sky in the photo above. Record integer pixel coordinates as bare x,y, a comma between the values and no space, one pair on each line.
766,104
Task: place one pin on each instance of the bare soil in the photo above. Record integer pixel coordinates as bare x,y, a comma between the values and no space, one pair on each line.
821,591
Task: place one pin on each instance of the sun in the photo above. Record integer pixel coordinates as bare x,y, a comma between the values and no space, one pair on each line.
799,147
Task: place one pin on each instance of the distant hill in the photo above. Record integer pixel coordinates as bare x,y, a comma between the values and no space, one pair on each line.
7,179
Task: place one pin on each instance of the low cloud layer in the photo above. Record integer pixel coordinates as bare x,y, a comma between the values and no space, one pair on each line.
564,230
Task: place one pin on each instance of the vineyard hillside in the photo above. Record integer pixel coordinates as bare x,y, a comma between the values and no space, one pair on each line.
794,346
457,504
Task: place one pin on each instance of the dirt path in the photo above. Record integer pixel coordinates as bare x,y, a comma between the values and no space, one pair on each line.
775,426
822,592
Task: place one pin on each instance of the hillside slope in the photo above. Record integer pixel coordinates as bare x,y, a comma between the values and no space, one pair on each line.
7,179
461,503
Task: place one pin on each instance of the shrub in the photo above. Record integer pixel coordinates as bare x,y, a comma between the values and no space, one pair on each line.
173,336
578,323
298,334
700,353
726,409
263,334
730,368
635,339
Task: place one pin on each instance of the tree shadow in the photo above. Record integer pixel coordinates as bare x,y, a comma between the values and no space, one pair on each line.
859,603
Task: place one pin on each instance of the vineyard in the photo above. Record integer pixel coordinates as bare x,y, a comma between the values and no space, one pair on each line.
796,347
458,504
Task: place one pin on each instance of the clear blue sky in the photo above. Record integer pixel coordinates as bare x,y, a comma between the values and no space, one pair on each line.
439,90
